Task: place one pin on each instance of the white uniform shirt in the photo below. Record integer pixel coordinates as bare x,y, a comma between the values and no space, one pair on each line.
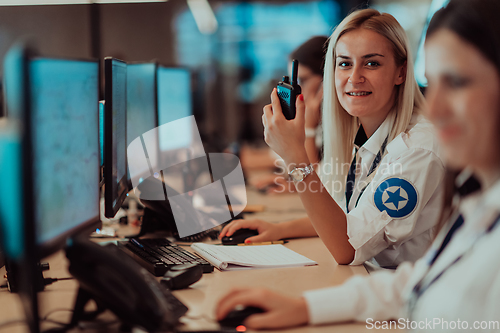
468,290
409,175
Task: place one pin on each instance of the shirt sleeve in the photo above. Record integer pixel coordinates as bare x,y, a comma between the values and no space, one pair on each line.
377,296
371,229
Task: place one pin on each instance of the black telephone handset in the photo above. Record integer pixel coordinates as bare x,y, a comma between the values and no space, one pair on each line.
118,283
288,92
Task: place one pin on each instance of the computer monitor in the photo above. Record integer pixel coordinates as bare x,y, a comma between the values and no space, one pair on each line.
16,214
115,136
53,163
174,102
420,59
142,114
65,134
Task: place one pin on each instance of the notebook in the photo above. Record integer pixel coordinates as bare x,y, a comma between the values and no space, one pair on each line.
227,258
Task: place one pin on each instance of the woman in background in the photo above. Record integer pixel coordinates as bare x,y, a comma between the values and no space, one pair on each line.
379,197
457,284
311,57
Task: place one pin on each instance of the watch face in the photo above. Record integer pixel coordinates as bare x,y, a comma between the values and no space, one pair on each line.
298,175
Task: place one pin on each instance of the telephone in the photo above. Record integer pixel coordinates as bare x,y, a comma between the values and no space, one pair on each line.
115,282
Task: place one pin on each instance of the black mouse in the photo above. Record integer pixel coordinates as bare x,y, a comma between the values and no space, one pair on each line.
239,236
236,316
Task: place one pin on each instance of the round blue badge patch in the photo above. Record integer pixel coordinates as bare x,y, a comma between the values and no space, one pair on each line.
397,196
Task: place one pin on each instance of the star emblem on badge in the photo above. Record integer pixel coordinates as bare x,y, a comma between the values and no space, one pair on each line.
395,198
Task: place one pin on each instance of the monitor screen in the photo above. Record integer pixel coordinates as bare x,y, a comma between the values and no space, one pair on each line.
420,59
11,191
101,130
174,102
115,135
65,144
13,81
141,99
142,116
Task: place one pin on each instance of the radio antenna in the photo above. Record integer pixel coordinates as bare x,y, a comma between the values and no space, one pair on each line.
295,68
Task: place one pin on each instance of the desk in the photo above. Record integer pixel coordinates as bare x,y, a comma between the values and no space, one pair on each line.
202,296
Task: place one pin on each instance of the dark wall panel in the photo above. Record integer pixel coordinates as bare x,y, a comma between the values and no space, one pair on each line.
57,30
139,32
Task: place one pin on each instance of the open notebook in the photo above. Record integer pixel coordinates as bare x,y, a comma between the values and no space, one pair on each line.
256,256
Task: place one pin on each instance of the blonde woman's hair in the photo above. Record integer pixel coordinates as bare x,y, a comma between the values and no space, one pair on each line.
339,127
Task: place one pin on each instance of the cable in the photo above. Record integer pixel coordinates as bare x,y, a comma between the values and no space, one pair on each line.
80,325
66,278
54,322
12,322
23,321
49,281
54,311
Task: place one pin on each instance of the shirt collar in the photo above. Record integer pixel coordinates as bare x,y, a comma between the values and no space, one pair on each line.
374,142
468,188
360,138
491,196
466,183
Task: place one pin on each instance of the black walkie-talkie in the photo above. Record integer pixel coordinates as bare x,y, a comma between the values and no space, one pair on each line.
288,92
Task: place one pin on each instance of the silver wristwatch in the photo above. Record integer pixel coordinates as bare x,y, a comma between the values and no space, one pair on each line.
299,174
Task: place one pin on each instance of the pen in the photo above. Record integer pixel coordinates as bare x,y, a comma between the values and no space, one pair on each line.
264,243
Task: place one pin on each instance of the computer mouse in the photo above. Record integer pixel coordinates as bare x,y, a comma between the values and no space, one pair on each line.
236,316
239,236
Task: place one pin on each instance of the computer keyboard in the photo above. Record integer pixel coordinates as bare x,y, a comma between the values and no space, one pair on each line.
157,255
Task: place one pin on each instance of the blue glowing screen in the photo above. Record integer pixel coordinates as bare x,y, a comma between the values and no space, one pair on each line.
65,122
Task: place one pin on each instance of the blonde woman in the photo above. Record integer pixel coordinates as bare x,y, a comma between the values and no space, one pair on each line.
456,285
379,196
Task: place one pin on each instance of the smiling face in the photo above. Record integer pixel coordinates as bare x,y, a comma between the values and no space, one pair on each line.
366,75
464,101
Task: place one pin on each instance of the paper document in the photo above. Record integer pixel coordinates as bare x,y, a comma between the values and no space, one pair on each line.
245,257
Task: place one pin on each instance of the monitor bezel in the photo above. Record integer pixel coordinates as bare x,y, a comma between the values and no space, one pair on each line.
28,264
110,210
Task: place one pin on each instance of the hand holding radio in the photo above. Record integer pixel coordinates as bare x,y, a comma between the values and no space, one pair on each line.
283,120
288,92
285,137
